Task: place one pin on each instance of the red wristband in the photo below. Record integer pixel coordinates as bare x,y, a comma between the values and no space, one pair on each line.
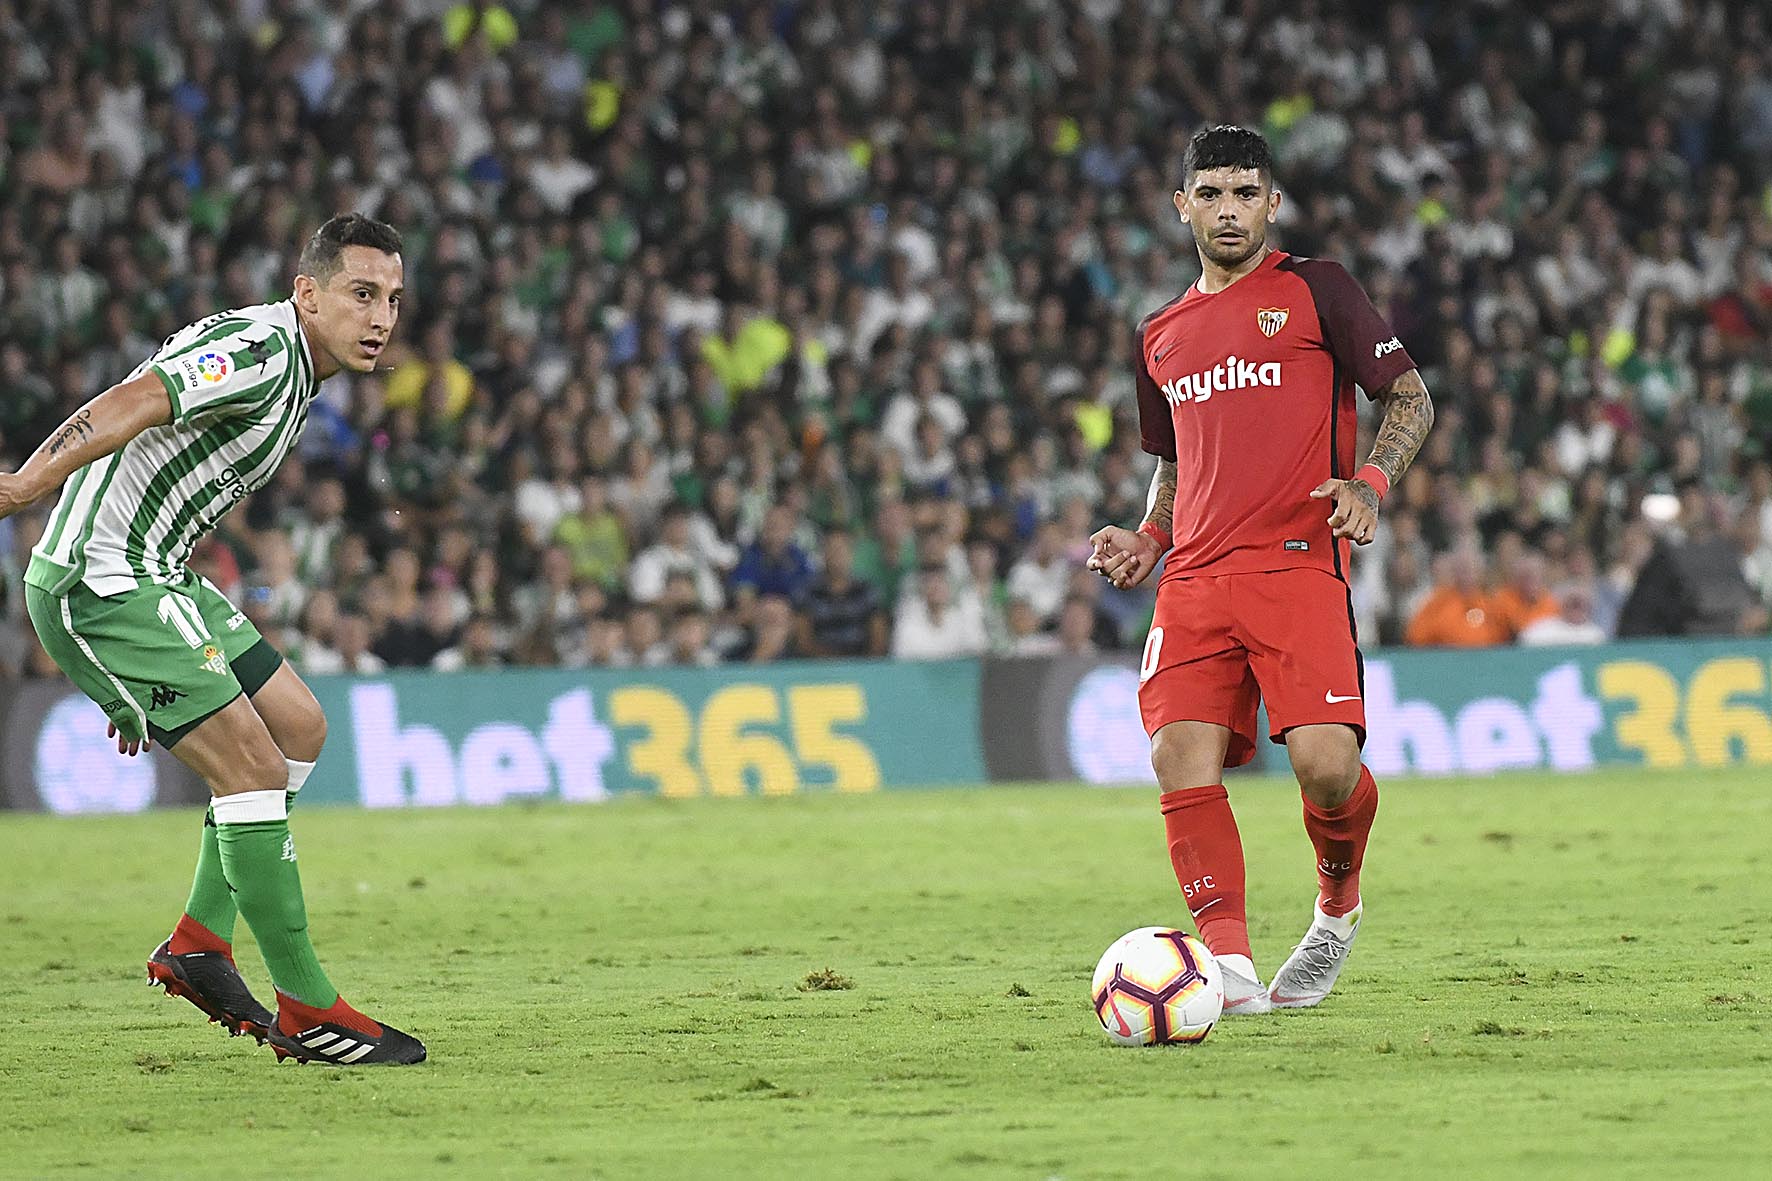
1150,530
1380,482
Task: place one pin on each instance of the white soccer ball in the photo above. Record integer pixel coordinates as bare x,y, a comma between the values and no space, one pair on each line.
1157,987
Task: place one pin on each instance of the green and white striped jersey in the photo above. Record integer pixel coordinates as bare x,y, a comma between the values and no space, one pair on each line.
240,384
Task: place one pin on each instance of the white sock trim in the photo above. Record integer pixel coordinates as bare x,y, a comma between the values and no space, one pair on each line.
251,807
298,774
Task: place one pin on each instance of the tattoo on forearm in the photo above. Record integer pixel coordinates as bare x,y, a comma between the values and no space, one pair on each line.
1161,512
75,429
1408,416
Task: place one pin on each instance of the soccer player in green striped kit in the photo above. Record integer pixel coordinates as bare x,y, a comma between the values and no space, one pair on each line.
146,469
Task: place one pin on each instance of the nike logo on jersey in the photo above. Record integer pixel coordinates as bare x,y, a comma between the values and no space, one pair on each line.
1332,699
1233,374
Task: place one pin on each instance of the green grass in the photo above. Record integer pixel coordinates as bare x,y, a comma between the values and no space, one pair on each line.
1557,978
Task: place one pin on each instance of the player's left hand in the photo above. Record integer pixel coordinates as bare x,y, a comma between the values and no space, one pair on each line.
1356,509
125,746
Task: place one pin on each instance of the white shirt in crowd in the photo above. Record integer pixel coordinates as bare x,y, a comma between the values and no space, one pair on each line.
918,635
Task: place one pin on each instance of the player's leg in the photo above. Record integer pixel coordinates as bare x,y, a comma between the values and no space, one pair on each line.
294,719
1198,703
234,753
1301,640
287,705
208,921
149,661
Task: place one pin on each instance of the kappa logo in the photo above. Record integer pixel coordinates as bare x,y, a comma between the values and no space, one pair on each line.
163,696
1233,374
258,352
1386,346
1271,320
289,847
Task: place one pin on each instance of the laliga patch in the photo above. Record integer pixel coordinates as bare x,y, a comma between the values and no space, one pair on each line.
215,660
1298,546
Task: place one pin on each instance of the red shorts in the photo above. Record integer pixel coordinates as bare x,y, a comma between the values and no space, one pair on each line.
1219,645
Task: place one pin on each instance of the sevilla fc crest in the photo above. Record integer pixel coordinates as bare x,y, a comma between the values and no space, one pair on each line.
1271,320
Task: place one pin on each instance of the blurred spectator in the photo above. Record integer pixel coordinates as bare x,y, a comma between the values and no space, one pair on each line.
673,552
1042,575
772,633
1525,600
773,564
1573,624
936,623
476,649
840,615
1459,613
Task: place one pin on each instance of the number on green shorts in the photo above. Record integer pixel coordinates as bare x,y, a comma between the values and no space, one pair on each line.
181,613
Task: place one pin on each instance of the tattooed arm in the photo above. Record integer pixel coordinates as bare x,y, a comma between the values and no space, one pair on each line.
91,432
1160,505
1408,416
1126,558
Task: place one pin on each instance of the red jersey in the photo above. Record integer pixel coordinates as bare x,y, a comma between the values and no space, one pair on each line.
1250,390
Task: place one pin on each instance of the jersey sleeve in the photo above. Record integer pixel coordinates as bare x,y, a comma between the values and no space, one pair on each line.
1355,334
236,368
1156,422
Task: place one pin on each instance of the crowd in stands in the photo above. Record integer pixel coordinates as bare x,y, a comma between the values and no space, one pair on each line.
742,331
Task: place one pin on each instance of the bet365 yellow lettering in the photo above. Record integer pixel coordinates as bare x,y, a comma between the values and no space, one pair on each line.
1650,728
662,754
1714,723
815,711
729,747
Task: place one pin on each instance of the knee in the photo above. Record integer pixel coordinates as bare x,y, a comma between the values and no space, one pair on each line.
260,767
314,730
1182,760
1327,776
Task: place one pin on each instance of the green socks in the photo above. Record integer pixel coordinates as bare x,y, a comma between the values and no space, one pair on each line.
258,860
211,902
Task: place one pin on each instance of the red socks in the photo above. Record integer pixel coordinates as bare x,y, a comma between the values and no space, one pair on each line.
293,1016
1340,838
1207,853
191,935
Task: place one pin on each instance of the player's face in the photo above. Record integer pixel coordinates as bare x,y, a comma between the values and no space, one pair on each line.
1229,210
355,311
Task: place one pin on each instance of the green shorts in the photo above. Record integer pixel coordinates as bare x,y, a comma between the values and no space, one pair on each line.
158,660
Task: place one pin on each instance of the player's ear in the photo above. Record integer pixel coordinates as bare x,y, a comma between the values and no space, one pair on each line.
1273,206
307,294
1181,204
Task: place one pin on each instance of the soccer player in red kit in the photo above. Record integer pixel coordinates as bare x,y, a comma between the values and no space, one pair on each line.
1246,396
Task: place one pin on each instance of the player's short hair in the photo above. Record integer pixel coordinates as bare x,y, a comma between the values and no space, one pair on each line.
322,257
1227,146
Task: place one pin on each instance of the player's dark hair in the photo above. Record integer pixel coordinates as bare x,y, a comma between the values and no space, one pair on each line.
324,254
1227,146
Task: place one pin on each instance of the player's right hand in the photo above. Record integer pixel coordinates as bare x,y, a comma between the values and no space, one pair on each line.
124,745
1124,557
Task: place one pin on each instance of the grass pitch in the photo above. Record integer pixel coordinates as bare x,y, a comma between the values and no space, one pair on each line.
1558,977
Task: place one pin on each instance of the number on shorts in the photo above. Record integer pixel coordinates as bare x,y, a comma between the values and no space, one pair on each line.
1153,650
181,613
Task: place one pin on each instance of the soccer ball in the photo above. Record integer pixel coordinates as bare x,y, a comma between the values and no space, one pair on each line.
1157,987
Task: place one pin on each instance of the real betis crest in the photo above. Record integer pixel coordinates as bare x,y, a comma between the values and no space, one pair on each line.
1271,320
214,660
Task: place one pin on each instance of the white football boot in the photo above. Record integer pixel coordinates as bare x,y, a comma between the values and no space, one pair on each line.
1314,965
1243,990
